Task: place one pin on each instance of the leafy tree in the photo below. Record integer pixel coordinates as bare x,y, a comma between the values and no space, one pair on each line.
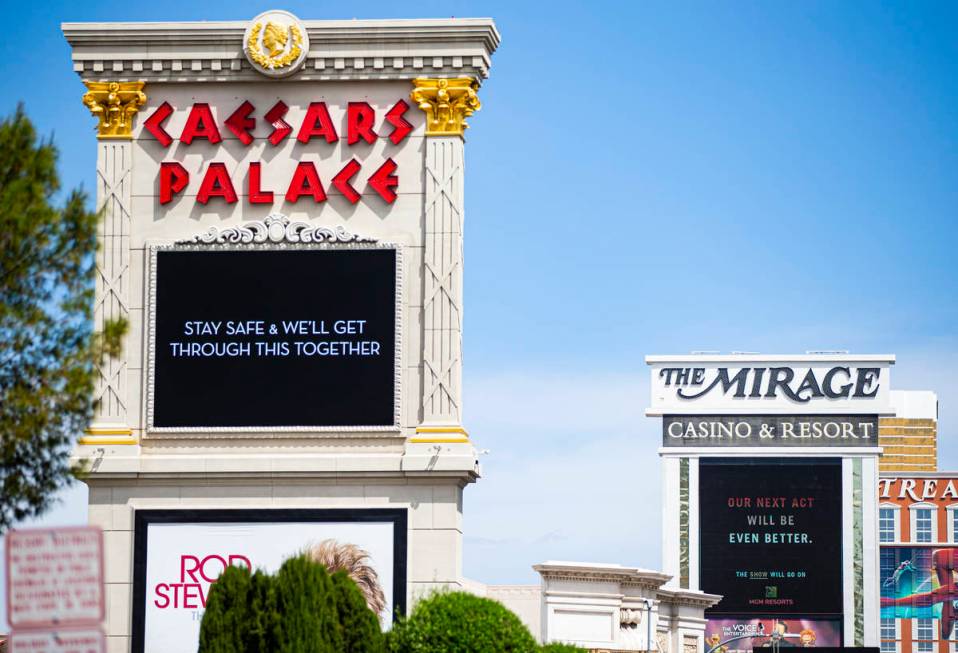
47,347
457,622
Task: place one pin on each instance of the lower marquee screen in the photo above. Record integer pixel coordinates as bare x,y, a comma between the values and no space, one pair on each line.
744,635
273,338
179,554
771,535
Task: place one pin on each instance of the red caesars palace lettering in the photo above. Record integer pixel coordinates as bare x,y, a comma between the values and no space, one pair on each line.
317,126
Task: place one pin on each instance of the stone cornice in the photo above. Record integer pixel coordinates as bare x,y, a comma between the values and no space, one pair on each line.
687,597
627,576
339,50
257,466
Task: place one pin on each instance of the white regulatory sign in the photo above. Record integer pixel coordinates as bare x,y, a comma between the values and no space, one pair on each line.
72,640
54,577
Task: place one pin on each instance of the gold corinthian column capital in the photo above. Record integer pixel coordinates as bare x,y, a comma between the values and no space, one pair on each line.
447,103
114,104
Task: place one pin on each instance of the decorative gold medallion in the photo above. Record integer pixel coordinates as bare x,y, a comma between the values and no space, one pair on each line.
276,43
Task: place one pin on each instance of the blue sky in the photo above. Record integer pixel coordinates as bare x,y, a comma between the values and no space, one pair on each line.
648,178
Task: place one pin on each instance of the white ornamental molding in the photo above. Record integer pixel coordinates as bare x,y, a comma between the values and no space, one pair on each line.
629,617
276,228
394,49
275,232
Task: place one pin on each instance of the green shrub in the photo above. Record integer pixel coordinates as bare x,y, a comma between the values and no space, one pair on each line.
557,647
263,618
457,622
309,620
360,626
302,609
226,622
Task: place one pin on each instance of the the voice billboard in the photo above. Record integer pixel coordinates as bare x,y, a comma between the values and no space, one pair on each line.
744,635
179,557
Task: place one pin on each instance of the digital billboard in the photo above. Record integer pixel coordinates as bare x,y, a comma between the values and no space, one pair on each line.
299,338
731,635
179,554
770,535
918,582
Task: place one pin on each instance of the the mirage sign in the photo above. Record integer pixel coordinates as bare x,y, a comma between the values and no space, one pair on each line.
813,384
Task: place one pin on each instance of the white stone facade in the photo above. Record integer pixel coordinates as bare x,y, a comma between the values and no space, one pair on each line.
607,608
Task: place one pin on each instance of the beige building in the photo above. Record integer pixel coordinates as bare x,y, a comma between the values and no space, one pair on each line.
909,440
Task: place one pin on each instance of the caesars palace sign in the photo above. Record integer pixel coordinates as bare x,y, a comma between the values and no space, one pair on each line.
282,211
244,143
316,129
312,310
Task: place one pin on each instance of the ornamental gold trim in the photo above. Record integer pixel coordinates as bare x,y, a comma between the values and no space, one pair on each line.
447,103
440,441
114,104
440,435
108,435
441,429
90,441
108,430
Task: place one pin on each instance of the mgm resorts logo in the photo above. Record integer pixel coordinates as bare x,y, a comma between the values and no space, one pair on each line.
769,382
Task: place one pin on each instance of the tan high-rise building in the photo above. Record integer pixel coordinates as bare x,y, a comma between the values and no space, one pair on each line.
910,439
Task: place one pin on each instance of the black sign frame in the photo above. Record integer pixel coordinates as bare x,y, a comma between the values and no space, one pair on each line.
255,430
142,518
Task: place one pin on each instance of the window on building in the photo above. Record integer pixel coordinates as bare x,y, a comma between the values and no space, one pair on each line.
889,562
954,524
889,635
886,525
925,635
923,531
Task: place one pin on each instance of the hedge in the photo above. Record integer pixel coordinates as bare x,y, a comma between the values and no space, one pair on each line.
302,609
557,647
457,622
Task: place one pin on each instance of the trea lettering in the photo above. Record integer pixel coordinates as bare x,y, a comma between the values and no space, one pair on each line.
769,382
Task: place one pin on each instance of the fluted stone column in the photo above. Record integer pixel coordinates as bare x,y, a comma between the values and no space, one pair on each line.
114,104
447,103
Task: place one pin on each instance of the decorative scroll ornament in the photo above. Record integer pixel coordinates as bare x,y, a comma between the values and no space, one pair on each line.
114,104
276,43
447,103
277,228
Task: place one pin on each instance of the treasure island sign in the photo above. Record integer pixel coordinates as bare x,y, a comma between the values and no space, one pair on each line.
279,198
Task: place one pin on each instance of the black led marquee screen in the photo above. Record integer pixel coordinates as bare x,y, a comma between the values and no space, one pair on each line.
770,535
274,338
